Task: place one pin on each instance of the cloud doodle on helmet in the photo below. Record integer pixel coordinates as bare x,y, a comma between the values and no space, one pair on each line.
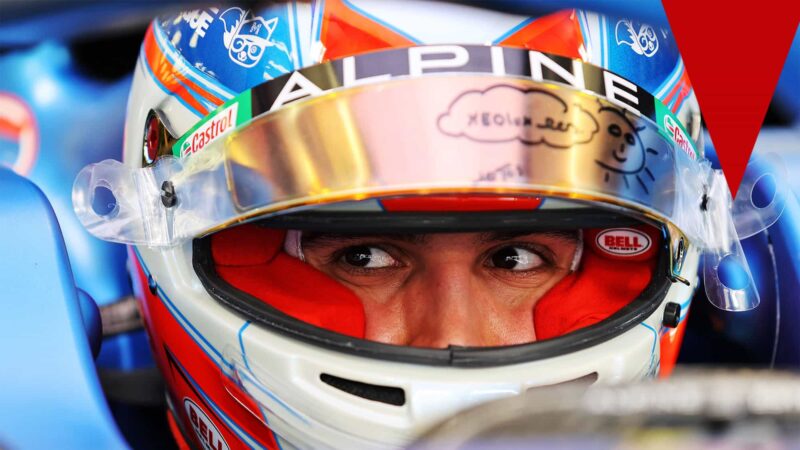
504,113
627,153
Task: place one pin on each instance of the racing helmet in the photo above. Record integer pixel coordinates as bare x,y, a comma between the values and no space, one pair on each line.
257,136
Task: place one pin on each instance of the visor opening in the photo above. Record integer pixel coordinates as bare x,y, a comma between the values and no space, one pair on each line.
104,202
764,191
248,269
384,394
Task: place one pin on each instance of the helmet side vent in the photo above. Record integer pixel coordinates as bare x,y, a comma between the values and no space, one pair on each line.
384,394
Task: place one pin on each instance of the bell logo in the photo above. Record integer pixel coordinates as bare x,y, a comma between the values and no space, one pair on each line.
623,242
207,433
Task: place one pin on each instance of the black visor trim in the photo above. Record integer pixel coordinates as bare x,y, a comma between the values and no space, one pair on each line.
437,222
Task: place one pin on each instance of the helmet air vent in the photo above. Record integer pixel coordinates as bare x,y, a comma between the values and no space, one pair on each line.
384,394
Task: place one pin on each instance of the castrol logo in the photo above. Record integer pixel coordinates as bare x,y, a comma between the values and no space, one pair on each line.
623,242
222,122
207,433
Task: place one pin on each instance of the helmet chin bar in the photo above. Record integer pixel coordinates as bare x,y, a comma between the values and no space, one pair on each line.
257,311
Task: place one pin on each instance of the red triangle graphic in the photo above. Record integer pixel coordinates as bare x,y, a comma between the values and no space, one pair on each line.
734,54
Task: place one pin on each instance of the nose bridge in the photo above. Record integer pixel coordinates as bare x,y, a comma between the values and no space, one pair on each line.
451,311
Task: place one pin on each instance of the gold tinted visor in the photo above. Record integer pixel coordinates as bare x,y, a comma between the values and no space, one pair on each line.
476,134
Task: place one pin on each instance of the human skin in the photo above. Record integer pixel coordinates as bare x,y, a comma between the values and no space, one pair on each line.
436,290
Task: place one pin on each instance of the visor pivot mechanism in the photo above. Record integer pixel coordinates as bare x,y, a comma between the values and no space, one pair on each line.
704,202
678,258
168,196
672,315
675,278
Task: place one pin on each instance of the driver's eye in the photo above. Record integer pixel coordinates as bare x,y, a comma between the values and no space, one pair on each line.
515,258
367,257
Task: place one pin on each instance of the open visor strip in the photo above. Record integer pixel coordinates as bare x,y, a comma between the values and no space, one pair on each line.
422,120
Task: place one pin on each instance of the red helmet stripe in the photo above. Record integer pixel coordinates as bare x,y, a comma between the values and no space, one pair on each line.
670,347
346,32
206,372
558,33
179,73
463,203
172,78
679,92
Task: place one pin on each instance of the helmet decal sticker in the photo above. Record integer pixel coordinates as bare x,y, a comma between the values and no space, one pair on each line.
627,154
235,48
223,121
643,41
215,125
247,36
482,116
679,135
207,433
199,21
623,242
